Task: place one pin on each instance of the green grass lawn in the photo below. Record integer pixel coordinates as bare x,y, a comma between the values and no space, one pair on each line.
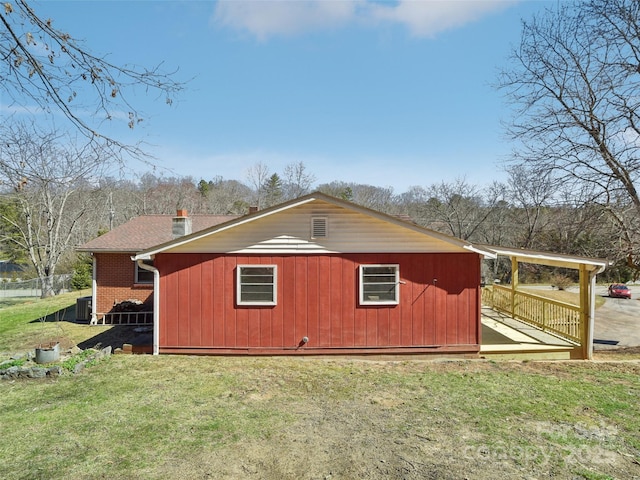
189,417
28,322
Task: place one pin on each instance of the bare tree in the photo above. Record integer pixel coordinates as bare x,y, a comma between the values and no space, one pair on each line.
574,225
496,228
164,195
54,70
257,175
575,80
297,181
531,195
459,209
44,171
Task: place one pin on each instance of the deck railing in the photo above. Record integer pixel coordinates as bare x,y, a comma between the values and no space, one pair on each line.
125,318
559,318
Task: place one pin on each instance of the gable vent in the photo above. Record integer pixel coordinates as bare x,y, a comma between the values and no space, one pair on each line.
318,227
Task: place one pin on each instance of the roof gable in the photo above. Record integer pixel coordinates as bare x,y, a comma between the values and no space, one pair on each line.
286,228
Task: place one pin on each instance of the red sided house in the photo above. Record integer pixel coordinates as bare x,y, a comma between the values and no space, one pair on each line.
315,275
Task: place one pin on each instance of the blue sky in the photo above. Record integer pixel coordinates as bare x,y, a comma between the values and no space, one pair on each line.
386,93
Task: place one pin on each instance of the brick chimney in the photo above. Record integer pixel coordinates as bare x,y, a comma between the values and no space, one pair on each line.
181,225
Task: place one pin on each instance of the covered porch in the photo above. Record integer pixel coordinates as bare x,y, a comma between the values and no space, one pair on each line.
519,324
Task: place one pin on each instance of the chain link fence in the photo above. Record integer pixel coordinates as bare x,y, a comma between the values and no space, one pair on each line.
33,287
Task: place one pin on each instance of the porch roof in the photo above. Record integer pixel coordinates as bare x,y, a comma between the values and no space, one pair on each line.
522,255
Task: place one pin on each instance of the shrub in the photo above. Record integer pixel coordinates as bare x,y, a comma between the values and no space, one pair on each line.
561,281
82,272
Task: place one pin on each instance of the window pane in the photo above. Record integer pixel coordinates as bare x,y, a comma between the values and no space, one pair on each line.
380,270
379,292
145,276
256,293
257,271
256,284
142,275
379,278
379,283
256,278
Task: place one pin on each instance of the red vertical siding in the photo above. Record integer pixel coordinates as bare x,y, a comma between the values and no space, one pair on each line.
242,314
300,300
314,307
194,294
183,306
418,284
346,307
228,293
206,302
318,298
325,292
276,325
440,314
337,291
217,302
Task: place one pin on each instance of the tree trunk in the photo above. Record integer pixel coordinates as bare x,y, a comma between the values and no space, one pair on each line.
47,287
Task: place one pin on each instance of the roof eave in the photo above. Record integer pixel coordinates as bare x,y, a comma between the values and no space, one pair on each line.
597,265
107,250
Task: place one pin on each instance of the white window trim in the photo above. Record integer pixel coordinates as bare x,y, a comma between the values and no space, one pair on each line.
239,300
364,301
137,270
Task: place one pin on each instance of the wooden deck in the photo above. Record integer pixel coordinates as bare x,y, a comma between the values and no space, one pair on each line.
504,337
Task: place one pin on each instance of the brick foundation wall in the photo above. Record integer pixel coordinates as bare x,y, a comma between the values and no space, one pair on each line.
115,277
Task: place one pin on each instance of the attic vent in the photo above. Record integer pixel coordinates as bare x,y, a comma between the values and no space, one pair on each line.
318,227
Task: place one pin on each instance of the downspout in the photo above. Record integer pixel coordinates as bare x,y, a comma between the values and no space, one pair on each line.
94,290
156,304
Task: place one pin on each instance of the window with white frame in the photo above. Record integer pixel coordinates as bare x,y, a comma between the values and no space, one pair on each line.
257,285
379,284
142,275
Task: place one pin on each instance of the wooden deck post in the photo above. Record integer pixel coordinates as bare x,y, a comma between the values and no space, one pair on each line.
514,284
585,309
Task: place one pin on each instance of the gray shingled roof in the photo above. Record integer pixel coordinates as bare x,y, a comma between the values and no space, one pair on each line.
146,231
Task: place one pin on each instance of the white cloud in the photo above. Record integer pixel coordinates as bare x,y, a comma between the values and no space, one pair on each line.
425,18
280,17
